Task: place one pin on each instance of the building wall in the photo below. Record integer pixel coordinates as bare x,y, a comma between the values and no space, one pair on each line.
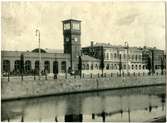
13,56
137,60
155,58
116,56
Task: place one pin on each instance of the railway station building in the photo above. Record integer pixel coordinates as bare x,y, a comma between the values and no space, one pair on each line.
129,59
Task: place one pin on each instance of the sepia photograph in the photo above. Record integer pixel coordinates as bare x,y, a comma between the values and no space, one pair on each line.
83,61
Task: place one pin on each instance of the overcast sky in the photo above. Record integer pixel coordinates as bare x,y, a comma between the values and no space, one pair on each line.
139,23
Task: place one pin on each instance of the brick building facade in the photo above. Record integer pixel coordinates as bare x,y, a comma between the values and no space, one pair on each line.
116,58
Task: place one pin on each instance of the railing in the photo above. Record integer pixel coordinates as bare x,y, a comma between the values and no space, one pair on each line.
23,77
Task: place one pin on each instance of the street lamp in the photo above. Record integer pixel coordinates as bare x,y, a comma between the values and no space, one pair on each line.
120,62
127,66
66,70
39,51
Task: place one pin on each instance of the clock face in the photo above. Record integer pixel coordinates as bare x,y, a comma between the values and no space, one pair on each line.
67,39
75,39
75,26
66,26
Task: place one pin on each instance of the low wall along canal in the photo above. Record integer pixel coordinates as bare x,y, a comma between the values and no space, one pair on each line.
27,88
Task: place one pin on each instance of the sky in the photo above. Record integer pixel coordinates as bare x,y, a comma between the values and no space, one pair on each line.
138,23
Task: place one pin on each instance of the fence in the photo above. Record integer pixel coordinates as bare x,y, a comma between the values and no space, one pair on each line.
22,77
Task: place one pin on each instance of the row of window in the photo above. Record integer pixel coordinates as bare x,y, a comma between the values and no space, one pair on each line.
113,66
122,56
28,66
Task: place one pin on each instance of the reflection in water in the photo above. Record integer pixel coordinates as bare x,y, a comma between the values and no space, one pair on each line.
56,120
73,118
135,104
22,118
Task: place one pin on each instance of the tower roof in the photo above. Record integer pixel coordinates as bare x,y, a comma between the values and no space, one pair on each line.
71,20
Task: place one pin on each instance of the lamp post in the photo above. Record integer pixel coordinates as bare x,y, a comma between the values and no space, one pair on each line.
39,51
22,65
102,59
127,66
120,62
66,67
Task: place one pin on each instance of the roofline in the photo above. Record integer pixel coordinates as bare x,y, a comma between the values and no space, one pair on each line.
121,46
14,51
71,20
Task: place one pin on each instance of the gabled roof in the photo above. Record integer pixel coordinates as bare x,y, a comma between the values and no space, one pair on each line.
71,20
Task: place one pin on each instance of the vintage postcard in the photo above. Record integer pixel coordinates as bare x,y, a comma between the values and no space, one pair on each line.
83,61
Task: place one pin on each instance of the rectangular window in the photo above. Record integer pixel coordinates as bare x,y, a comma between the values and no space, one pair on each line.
75,26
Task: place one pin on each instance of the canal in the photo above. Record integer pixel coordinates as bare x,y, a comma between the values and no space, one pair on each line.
133,104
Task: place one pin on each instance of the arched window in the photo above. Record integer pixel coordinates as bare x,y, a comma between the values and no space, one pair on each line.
63,66
27,66
55,67
17,66
136,57
92,66
111,56
87,67
36,66
107,55
139,67
47,66
136,67
132,67
6,66
132,57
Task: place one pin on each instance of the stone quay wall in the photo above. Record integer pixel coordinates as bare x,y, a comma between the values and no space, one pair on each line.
28,88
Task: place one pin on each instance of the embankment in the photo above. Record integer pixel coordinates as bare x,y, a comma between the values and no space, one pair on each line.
35,88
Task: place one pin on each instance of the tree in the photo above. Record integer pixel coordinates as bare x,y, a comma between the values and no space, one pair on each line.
22,65
162,65
149,66
102,60
80,66
120,64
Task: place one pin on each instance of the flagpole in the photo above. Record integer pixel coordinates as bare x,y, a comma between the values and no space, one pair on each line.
127,64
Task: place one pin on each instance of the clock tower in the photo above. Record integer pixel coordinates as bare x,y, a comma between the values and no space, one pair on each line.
72,41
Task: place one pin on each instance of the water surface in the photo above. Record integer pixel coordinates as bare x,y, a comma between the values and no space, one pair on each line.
134,104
